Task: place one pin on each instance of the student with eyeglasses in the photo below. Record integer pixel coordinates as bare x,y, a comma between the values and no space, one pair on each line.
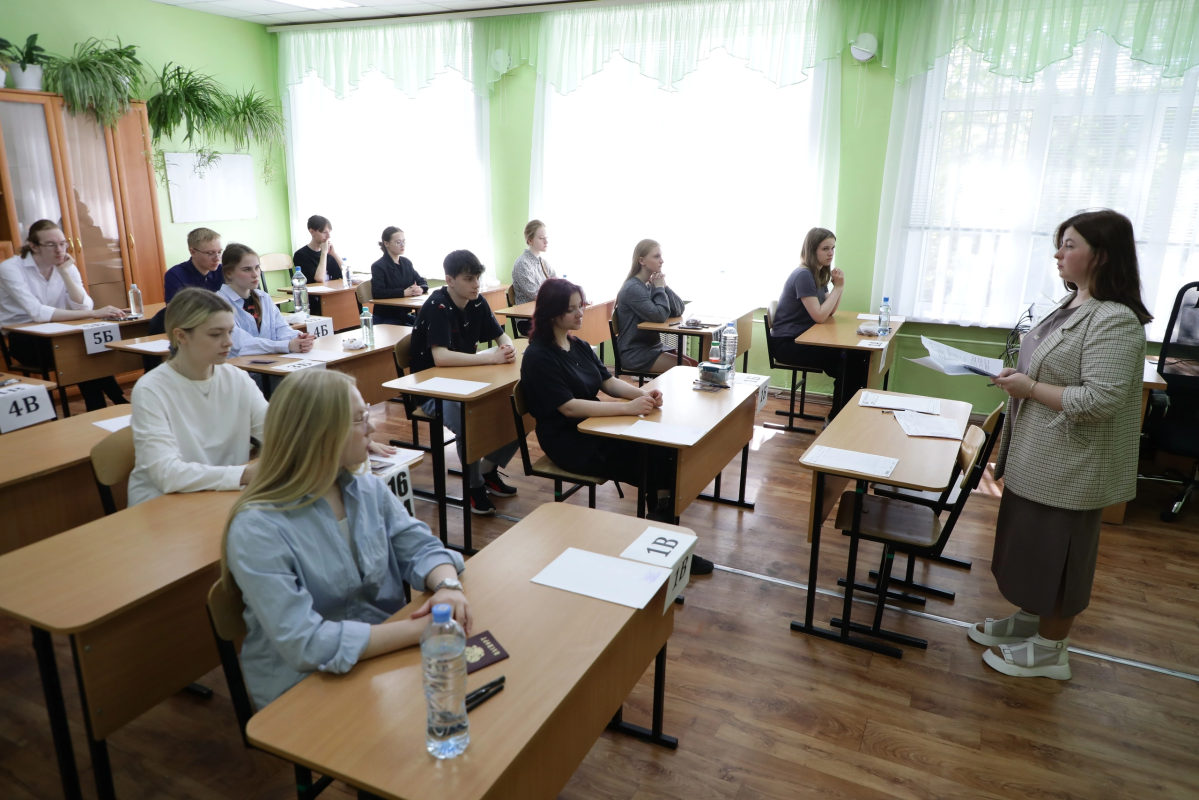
394,276
202,270
42,284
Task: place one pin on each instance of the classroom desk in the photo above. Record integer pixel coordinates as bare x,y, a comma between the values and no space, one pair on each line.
595,330
496,297
708,313
487,425
66,355
573,661
925,464
50,385
370,367
725,418
46,480
841,334
336,299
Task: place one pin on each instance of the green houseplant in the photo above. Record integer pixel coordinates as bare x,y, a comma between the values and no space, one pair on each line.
26,63
97,79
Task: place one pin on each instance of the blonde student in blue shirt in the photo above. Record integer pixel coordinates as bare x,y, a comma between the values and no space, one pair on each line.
259,326
320,548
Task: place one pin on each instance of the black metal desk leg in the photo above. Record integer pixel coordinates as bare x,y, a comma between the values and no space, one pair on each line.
101,769
466,487
728,501
745,362
817,512
744,473
654,734
642,498
437,445
43,647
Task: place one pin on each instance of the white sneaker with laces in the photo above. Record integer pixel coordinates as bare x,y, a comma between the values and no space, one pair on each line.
1009,630
1036,657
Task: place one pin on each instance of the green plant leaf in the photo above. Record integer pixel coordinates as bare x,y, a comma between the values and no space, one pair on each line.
186,98
97,79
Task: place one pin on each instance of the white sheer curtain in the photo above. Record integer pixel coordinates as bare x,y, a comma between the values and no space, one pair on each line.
727,172
981,169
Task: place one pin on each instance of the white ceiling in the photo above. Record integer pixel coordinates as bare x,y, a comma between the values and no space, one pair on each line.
278,12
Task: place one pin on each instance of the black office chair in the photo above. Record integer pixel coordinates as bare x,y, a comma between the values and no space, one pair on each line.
778,363
1173,424
618,370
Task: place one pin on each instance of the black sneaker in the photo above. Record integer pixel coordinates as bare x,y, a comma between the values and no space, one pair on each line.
700,566
480,503
495,486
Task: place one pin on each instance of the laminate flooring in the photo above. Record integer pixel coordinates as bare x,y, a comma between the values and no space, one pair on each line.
762,712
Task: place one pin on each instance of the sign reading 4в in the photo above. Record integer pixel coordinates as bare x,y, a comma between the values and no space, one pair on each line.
24,405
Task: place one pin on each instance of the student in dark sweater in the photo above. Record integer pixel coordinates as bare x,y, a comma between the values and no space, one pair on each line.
561,379
202,270
318,260
394,276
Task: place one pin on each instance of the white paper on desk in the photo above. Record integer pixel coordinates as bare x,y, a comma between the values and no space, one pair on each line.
874,318
663,432
115,424
951,361
616,580
452,386
873,344
49,327
321,355
925,405
157,346
318,289
296,366
849,460
914,424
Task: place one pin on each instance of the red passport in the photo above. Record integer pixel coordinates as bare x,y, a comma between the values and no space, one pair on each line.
482,650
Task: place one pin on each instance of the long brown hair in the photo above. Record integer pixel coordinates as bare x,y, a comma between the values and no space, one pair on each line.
807,255
33,238
643,249
1115,275
232,256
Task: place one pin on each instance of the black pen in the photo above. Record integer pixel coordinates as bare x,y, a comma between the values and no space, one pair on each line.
471,705
479,692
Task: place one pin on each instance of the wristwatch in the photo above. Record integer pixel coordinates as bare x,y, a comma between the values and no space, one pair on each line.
448,583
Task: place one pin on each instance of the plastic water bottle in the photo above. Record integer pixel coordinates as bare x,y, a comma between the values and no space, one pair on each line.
728,346
714,350
347,272
443,651
299,292
367,322
884,317
136,309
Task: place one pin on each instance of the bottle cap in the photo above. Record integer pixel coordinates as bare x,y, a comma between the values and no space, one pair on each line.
886,299
442,612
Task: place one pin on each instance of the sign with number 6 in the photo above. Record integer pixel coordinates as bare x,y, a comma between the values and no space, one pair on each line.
98,335
401,484
24,405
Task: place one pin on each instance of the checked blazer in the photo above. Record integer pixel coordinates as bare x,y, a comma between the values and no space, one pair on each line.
1085,456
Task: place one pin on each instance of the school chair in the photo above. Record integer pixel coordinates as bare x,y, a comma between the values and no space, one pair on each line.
274,262
520,327
415,414
365,296
901,527
544,467
618,370
225,608
113,459
778,363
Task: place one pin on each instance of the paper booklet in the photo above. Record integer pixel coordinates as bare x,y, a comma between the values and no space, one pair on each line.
951,361
915,424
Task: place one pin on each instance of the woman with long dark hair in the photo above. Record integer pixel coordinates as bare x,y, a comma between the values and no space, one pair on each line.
1070,448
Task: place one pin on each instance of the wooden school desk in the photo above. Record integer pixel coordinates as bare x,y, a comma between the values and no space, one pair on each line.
595,330
572,662
925,464
50,385
66,353
841,334
46,480
337,299
496,297
486,425
711,313
725,419
370,367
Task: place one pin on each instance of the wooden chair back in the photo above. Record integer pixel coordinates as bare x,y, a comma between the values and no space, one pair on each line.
519,410
364,293
274,262
402,355
225,607
510,296
968,465
113,457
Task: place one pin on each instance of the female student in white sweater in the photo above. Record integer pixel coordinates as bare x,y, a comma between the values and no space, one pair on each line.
194,416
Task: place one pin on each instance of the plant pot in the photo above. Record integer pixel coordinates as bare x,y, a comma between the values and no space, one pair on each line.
29,78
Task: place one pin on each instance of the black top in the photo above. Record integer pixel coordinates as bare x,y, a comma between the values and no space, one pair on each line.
550,377
792,317
388,280
184,275
440,323
307,260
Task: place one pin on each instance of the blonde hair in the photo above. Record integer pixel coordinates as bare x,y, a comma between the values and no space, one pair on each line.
189,308
807,255
643,249
33,238
307,425
532,228
201,235
232,256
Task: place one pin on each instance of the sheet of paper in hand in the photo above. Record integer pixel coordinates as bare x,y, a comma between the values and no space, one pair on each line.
951,361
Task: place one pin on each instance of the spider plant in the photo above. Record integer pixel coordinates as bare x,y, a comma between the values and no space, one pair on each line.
251,117
97,79
187,98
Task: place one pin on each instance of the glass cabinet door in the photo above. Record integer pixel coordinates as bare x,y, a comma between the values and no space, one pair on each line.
96,210
30,165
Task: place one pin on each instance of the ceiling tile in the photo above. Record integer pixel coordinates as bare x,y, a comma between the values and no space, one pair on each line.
219,8
255,6
305,16
179,2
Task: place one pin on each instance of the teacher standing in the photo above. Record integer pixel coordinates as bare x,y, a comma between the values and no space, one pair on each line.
1071,447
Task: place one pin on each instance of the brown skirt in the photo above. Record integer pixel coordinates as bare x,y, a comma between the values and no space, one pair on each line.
1043,553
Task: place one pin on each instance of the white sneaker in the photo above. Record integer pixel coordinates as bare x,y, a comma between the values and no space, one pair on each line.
1033,658
1009,630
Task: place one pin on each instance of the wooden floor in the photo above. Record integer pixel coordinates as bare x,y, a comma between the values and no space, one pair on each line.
761,712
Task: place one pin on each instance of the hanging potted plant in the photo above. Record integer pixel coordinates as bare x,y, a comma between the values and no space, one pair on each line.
27,63
97,79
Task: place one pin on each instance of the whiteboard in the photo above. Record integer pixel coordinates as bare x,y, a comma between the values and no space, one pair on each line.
224,191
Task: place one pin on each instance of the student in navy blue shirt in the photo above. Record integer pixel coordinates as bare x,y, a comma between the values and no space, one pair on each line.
449,328
202,270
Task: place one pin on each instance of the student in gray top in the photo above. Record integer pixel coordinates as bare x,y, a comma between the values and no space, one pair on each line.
531,269
645,297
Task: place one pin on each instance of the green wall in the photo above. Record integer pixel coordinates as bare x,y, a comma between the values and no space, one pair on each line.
238,54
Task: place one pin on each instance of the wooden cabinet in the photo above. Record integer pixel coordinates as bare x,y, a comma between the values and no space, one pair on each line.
97,183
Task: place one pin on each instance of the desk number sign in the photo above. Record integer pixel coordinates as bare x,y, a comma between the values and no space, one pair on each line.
23,405
669,549
320,326
401,484
98,335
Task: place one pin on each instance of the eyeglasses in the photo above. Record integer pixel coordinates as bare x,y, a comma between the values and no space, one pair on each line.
209,253
52,245
400,242
366,417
